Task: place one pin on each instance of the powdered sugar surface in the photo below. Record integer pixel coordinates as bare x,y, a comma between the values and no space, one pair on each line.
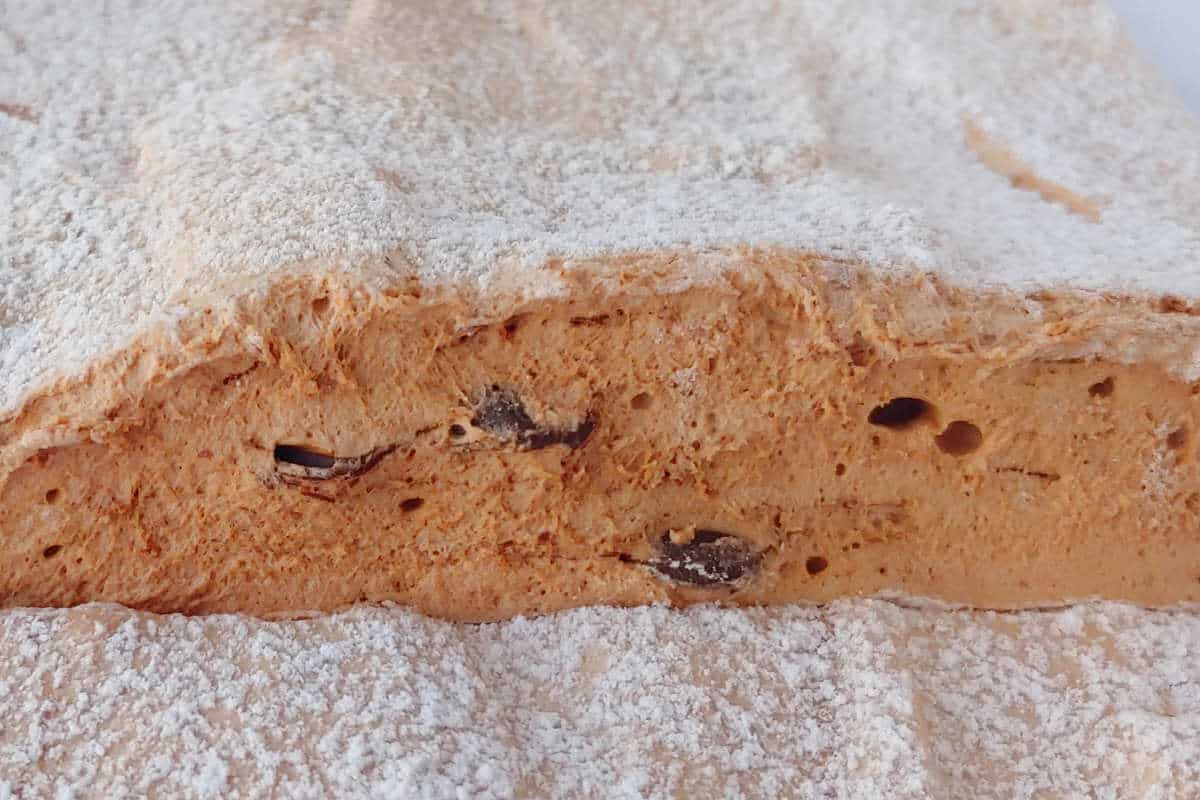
860,699
152,152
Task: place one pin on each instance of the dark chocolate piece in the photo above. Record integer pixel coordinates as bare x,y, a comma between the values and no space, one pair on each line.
501,413
711,558
571,437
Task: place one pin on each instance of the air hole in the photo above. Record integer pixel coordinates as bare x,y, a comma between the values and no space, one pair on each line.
458,431
815,564
303,457
320,305
52,496
900,412
510,327
839,470
51,551
641,401
959,438
1103,388
412,504
1177,438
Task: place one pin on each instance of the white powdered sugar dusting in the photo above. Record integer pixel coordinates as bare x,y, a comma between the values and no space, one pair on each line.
858,699
155,152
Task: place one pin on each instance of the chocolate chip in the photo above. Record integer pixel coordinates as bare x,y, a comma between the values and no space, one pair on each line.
501,413
298,462
710,558
571,437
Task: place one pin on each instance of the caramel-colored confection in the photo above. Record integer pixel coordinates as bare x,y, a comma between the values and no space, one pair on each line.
495,311
755,441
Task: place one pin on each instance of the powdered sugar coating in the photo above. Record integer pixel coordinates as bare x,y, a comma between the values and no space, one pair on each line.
159,152
860,699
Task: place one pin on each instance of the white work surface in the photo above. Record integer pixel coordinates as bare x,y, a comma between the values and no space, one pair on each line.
1168,31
